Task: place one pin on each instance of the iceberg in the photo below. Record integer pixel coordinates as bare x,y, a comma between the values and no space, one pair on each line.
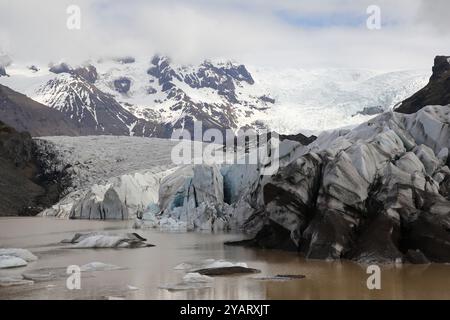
105,240
99,266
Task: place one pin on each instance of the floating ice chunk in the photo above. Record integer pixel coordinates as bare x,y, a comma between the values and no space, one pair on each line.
11,262
223,264
194,277
281,277
103,240
115,298
208,264
99,266
19,253
185,286
14,281
132,288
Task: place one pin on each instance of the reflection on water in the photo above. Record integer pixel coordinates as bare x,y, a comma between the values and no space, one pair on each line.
148,268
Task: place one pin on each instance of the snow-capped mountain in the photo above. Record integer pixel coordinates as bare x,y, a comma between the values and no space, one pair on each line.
152,97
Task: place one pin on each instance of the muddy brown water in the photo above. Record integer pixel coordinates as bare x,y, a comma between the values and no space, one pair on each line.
145,269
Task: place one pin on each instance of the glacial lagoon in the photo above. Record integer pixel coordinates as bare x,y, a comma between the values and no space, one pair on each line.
143,271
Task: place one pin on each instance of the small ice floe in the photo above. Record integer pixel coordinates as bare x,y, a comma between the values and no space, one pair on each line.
99,266
14,281
105,240
132,288
282,277
227,271
211,267
19,253
11,262
12,258
190,281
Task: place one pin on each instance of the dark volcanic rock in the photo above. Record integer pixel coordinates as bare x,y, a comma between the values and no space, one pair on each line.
226,271
122,85
162,70
416,257
430,234
60,68
436,92
88,73
378,194
33,68
378,241
95,112
445,187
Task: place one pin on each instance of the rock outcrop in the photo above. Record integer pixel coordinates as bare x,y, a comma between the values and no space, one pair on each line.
436,92
27,185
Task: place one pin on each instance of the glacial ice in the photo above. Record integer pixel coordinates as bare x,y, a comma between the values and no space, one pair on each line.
208,264
11,262
105,240
9,281
19,253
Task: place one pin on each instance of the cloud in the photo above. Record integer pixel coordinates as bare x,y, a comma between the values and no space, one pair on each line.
294,33
435,14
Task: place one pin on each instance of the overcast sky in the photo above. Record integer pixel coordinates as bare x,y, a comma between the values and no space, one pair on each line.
291,33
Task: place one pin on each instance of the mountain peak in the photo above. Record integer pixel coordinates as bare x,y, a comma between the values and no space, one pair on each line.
436,92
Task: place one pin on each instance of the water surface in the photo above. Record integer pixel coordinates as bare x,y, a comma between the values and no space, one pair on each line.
149,268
